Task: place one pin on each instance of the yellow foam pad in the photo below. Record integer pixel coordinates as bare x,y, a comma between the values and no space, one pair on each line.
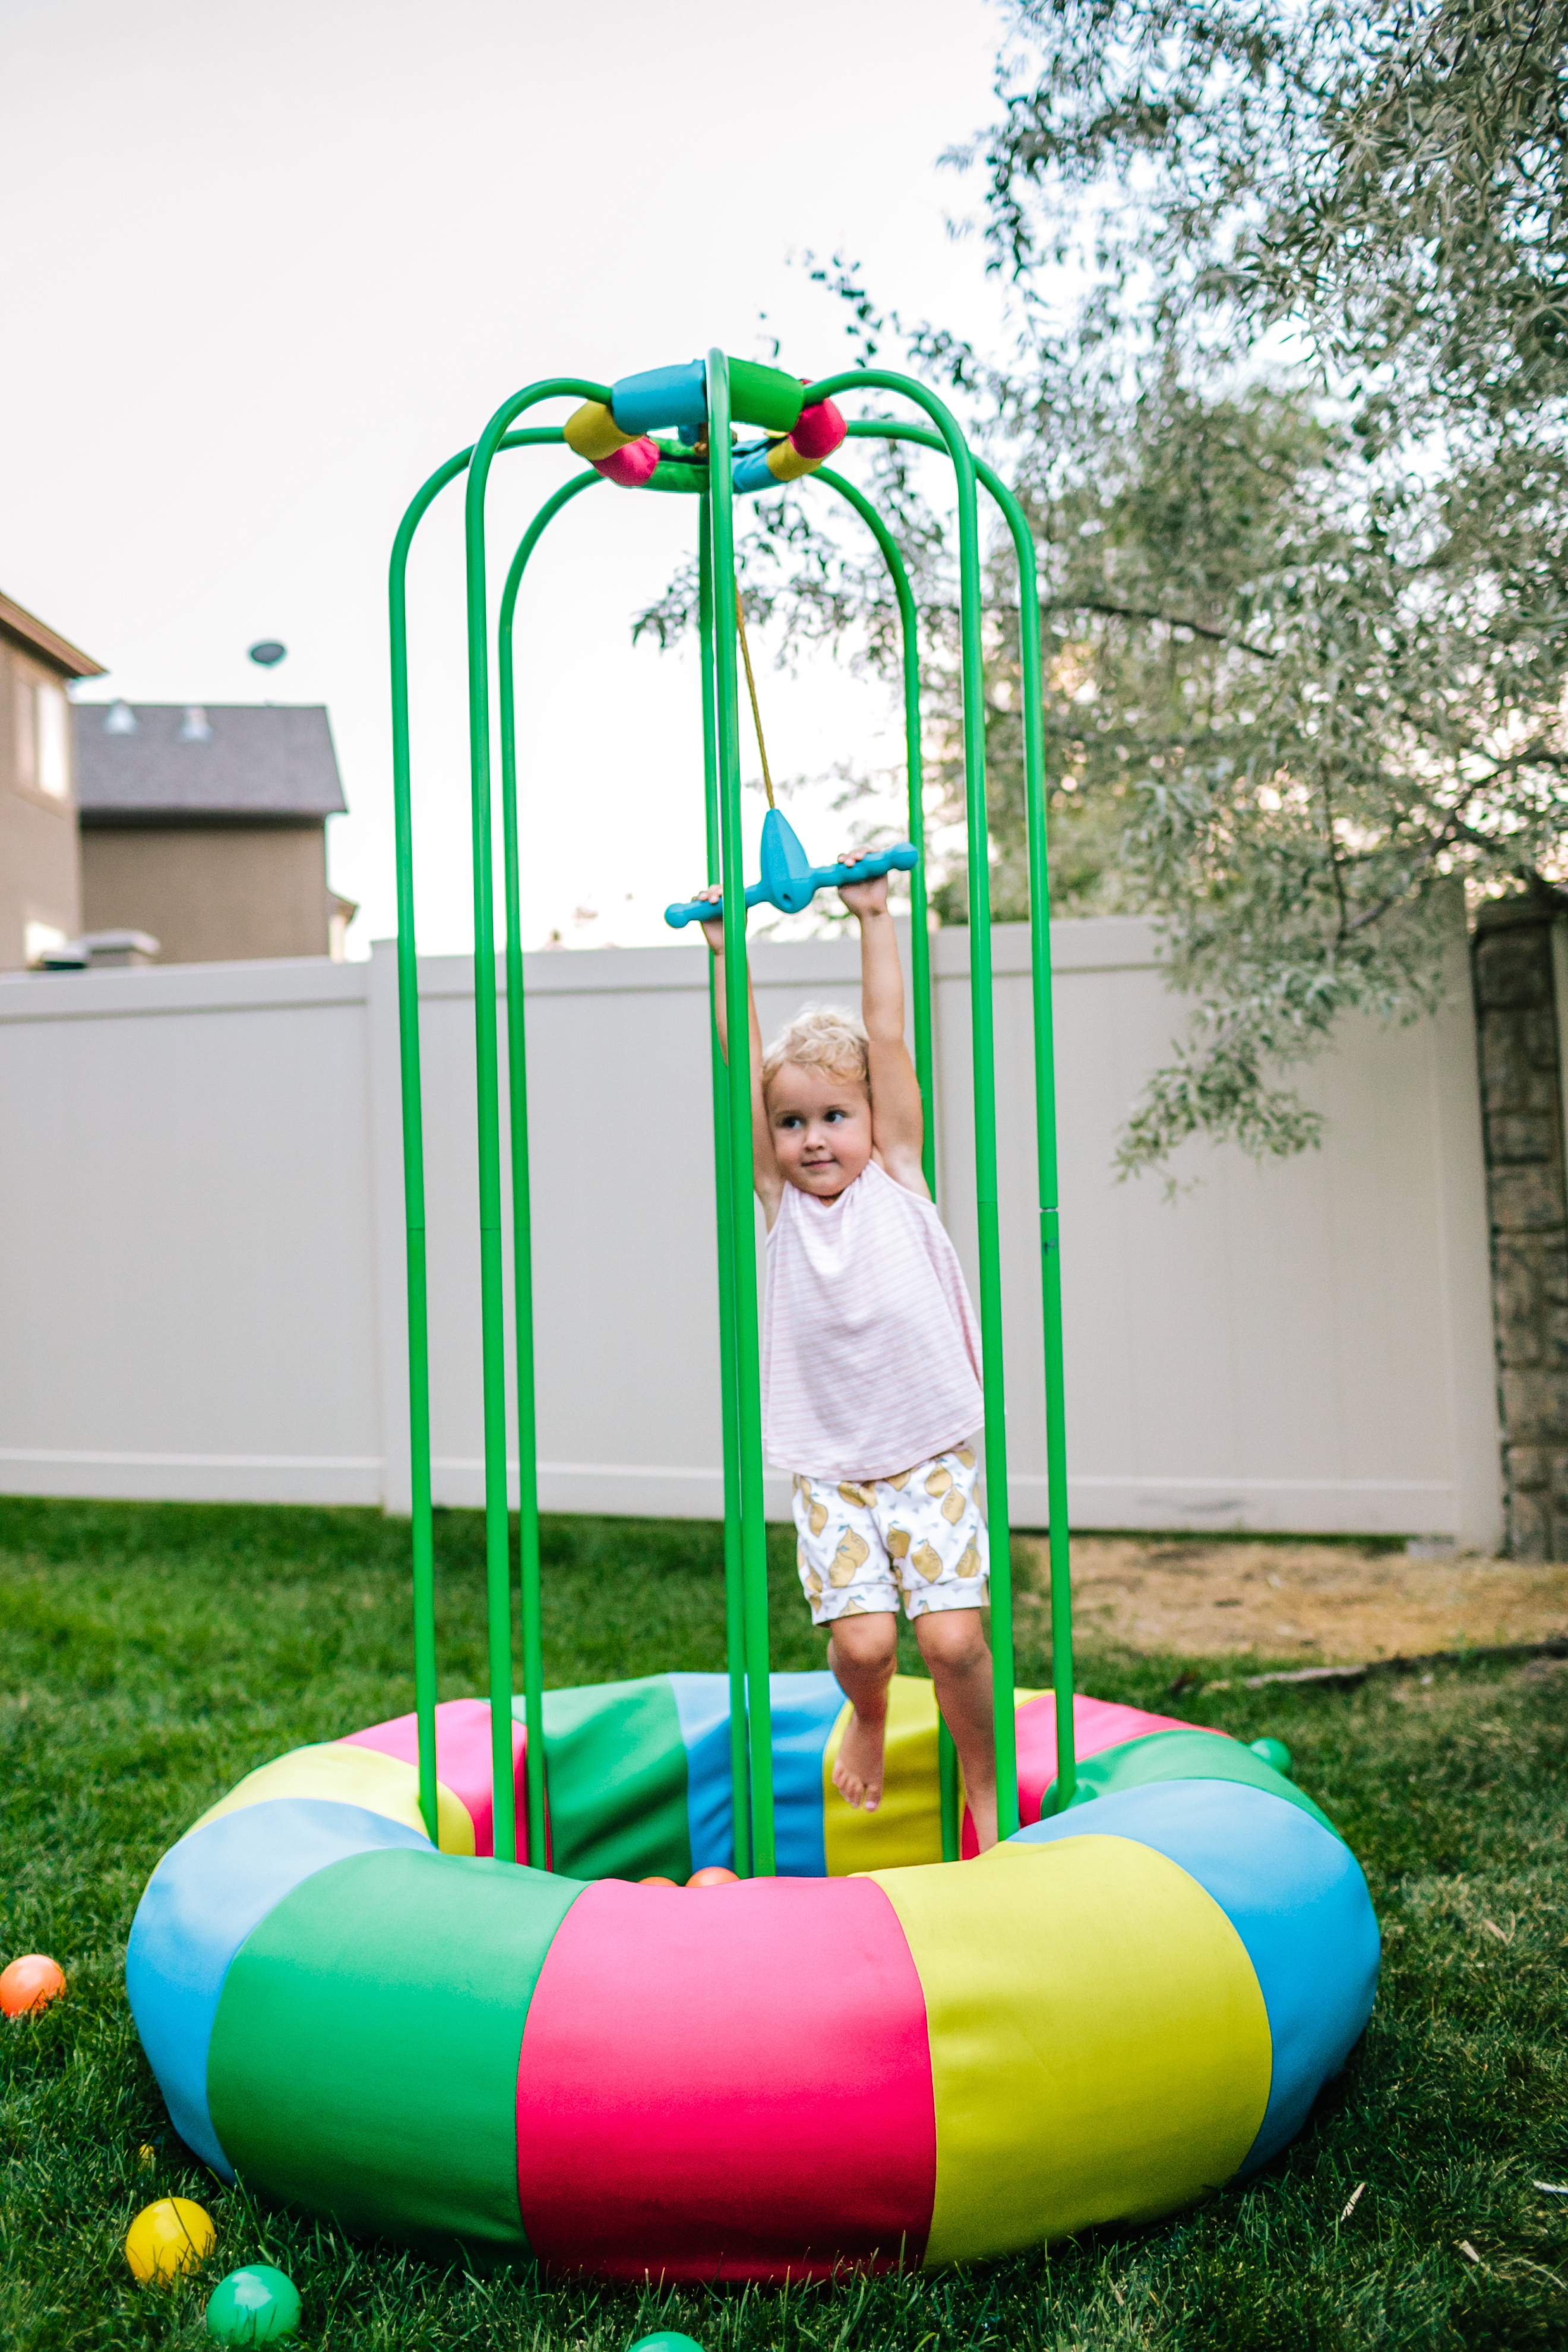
1100,2045
592,432
907,1826
785,463
345,1774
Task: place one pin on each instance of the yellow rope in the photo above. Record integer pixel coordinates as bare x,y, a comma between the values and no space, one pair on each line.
752,690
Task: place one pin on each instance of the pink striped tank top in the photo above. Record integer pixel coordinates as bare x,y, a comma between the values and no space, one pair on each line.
870,1346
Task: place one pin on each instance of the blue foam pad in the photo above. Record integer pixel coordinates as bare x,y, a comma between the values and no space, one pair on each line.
751,473
204,1899
804,1709
660,399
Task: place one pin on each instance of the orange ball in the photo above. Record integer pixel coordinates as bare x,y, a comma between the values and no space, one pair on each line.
31,1982
714,1875
653,1879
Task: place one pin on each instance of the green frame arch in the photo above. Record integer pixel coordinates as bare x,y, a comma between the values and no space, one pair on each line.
745,1535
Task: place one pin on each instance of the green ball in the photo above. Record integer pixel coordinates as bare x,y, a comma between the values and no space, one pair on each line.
254,2306
1275,1752
666,2339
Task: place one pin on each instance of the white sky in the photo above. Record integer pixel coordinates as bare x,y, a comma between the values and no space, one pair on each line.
265,267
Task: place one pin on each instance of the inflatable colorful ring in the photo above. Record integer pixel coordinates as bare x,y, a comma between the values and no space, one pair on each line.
617,439
1114,2012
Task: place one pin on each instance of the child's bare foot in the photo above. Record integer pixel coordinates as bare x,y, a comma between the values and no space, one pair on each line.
983,1813
857,1773
862,1651
954,1647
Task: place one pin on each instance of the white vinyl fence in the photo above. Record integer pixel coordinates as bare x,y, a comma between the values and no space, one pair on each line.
201,1246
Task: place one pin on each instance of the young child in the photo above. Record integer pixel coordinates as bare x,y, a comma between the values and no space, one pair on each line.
871,1390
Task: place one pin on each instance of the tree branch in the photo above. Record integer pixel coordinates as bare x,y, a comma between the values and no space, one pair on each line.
1171,620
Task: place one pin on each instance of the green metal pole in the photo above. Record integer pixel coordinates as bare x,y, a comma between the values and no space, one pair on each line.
748,1380
920,916
986,1188
423,1530
423,1537
1044,1135
988,1233
498,1562
919,975
734,1568
1062,1674
521,1202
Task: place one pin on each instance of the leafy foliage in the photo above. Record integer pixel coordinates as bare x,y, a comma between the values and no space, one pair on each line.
1377,199
1388,181
1296,468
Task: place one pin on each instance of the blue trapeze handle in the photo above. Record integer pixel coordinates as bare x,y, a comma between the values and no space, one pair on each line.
790,882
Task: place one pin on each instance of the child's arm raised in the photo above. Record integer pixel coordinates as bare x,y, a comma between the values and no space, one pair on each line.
897,1117
766,1173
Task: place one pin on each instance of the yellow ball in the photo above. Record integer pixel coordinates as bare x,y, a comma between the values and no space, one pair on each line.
172,2236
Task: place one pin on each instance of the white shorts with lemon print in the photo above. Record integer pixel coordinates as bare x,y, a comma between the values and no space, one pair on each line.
919,1537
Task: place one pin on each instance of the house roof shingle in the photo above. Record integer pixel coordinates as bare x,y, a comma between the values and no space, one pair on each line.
221,759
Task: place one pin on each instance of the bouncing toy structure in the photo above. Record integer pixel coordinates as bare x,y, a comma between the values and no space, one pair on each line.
408,1978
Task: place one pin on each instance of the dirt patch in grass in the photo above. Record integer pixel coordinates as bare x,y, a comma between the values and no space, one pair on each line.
1329,1604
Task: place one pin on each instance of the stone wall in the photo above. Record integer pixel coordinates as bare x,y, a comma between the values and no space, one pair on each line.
1520,1039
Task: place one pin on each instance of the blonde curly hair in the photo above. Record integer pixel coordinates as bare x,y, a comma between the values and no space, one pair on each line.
822,1037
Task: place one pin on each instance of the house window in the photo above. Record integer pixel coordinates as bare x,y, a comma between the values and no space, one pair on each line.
42,737
53,732
26,729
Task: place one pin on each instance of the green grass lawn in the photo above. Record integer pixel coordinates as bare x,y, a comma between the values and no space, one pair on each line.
150,1654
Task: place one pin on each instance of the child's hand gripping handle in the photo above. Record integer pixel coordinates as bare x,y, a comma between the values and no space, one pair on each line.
794,894
901,859
704,910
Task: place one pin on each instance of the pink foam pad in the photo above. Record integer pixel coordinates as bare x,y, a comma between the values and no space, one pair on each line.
771,2068
818,431
1098,1724
462,1761
629,468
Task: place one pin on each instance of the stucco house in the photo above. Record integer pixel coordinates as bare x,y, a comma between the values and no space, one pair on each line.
40,866
205,825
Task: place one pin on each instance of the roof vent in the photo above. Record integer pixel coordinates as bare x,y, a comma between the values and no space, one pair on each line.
119,720
193,728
